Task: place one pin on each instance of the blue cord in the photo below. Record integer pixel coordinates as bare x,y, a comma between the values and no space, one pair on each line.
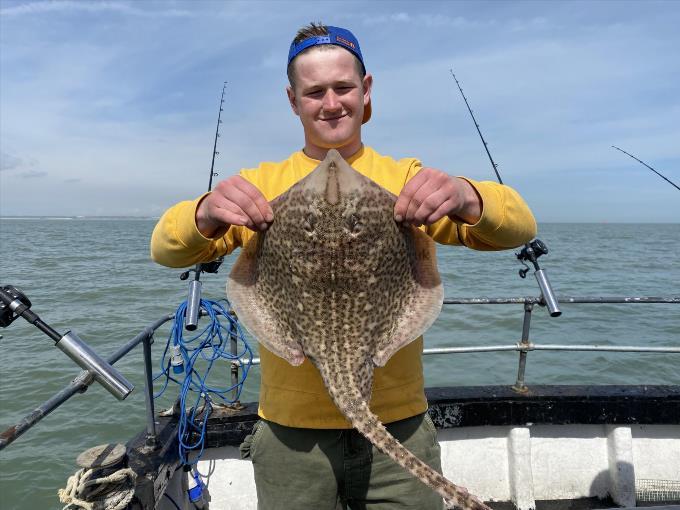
197,356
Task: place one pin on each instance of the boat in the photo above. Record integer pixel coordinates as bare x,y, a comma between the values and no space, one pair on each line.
515,446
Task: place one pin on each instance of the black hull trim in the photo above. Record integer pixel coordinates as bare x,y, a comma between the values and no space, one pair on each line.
475,406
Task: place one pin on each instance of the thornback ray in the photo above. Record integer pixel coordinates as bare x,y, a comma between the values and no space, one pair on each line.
336,280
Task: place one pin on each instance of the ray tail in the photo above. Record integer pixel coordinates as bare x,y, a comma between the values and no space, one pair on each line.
356,409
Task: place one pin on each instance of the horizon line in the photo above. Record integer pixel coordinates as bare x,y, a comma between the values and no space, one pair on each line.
148,217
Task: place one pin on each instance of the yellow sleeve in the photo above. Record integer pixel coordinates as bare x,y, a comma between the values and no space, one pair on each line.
177,242
506,221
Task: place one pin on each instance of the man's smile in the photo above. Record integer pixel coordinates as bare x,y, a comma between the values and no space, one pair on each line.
338,117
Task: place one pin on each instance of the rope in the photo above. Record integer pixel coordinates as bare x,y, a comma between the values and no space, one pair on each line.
111,492
196,357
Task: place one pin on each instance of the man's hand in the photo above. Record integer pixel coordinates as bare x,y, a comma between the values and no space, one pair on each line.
234,201
432,194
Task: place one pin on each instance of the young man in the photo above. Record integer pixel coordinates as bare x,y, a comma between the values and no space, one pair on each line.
305,454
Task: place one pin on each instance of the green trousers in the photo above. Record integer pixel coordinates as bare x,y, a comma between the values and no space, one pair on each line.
300,469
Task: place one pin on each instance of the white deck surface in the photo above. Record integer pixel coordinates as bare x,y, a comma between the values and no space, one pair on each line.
519,464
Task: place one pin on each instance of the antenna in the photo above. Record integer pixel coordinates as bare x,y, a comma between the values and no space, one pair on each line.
532,250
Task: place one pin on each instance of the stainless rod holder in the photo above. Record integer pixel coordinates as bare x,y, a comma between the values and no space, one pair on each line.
193,305
548,295
76,349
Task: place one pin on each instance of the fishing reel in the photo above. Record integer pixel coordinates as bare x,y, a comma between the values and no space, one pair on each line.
530,253
13,300
205,267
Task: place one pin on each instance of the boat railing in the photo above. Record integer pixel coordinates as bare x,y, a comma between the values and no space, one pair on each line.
524,346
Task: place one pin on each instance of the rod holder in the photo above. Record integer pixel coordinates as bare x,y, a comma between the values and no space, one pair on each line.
530,253
76,349
548,295
14,303
193,305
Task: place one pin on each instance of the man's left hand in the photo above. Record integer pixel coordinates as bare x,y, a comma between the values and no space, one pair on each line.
432,194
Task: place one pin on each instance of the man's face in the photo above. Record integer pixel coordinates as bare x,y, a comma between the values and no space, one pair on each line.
329,98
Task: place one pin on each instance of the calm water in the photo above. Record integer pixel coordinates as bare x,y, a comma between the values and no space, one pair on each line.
95,277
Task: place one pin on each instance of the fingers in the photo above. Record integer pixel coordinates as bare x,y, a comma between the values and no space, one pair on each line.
234,201
228,213
404,199
426,200
443,210
239,197
256,199
429,196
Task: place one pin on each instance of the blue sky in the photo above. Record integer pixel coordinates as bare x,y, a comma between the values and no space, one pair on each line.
109,108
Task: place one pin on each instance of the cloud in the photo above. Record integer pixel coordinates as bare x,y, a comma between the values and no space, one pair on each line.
12,162
126,116
435,20
33,174
9,162
517,25
92,7
423,19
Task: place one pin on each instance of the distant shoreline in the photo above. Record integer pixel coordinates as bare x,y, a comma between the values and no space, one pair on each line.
156,218
27,217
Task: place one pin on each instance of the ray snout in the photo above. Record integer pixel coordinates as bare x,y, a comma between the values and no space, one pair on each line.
338,176
332,193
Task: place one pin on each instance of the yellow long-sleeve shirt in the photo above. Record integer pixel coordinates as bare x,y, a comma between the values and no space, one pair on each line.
296,396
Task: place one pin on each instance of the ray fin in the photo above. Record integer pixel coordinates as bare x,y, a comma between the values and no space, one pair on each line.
424,305
242,293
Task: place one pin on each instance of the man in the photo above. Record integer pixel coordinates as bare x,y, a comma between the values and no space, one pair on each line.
304,452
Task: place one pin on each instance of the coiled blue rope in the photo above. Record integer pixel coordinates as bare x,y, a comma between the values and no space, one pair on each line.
199,354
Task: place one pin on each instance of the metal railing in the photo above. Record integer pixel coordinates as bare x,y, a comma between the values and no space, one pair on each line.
83,380
524,346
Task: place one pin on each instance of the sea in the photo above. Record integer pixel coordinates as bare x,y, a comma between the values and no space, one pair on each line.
94,276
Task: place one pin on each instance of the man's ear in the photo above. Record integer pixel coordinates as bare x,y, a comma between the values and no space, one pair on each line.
367,82
292,100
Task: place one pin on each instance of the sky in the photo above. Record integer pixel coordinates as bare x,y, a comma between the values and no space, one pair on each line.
109,108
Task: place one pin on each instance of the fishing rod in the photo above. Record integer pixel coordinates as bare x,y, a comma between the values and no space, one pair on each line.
640,161
194,296
533,249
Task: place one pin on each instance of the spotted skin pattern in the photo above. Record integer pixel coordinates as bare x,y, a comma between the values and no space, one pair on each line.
336,280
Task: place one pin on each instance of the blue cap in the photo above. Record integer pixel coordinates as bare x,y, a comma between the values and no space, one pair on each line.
336,35
340,37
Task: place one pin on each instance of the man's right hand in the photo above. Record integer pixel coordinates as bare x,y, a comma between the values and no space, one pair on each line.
234,201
